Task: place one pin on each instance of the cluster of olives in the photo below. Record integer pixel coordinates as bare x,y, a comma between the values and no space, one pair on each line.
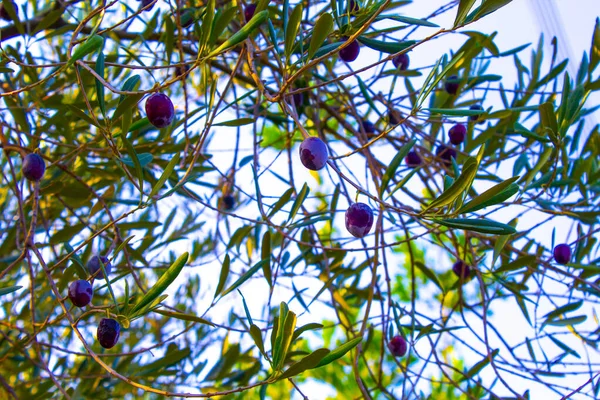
81,293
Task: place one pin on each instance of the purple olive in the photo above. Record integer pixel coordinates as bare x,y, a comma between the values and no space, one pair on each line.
368,126
93,266
461,269
445,153
359,219
452,84
80,293
33,167
181,70
298,99
160,110
562,254
313,153
146,2
227,201
413,159
401,61
249,12
108,332
457,134
476,117
350,52
398,346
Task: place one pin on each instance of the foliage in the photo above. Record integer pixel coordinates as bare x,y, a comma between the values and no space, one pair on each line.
271,296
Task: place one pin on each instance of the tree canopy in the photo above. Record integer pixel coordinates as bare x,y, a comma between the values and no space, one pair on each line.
210,199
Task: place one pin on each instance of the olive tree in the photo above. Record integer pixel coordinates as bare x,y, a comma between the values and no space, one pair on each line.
224,199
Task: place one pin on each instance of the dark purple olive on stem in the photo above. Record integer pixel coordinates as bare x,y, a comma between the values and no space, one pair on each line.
401,61
249,12
227,202
80,293
445,153
313,153
108,333
452,84
368,126
476,107
160,110
33,167
359,219
562,254
93,266
461,269
398,346
412,159
350,52
146,2
457,134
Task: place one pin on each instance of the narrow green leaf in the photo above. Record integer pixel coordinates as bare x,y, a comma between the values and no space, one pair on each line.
463,10
563,310
477,225
567,321
291,31
184,317
458,187
477,202
486,8
430,274
236,122
127,104
242,34
480,366
320,32
224,274
92,44
256,335
134,157
365,92
266,255
339,352
299,200
409,20
143,158
165,175
309,362
455,112
207,25
9,289
247,275
161,285
517,264
390,171
99,86
304,328
283,200
386,47
286,340
402,182
595,49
